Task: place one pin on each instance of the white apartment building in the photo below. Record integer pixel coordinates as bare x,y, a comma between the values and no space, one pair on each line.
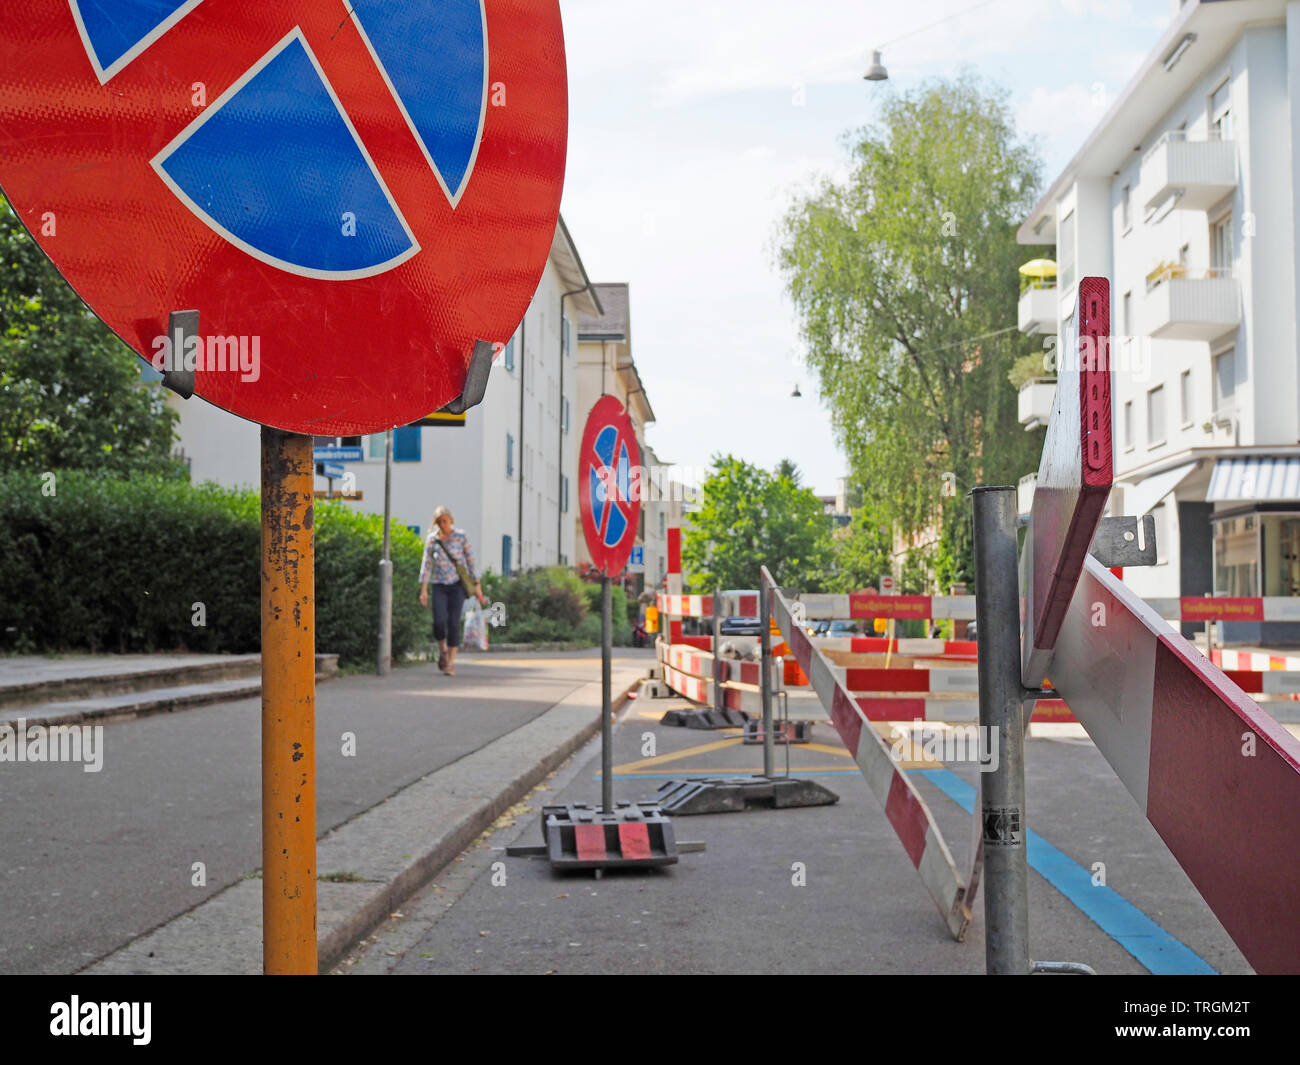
507,474
1184,196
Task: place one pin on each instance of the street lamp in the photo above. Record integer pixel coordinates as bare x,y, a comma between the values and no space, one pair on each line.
877,71
796,394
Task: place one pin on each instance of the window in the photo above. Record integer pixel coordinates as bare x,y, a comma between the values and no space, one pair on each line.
566,336
1156,416
1126,209
564,494
406,444
1065,248
375,446
509,356
663,522
506,544
1225,380
564,414
1236,557
1127,323
1185,397
1221,246
510,455
1221,113
1128,424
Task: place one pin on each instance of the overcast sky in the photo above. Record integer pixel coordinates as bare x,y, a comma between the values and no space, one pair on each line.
692,122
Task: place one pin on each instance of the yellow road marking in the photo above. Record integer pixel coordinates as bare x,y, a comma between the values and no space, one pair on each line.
674,756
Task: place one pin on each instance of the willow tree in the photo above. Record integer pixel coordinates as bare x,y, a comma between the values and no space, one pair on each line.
904,277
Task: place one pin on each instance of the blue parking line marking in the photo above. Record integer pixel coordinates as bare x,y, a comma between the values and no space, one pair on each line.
1151,945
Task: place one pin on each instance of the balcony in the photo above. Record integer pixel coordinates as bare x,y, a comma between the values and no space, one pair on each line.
1035,402
1195,174
1183,304
1037,310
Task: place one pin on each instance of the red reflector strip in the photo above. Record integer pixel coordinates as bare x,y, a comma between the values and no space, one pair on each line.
634,840
590,841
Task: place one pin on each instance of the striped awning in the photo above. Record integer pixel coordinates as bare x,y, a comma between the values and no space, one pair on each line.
1256,477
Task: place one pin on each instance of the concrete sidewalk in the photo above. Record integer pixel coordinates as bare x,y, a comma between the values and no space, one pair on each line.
368,865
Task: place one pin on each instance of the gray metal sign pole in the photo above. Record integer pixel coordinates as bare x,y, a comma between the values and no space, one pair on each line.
606,726
385,664
997,613
765,675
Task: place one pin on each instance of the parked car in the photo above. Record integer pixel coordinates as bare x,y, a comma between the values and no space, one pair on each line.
818,628
843,628
741,626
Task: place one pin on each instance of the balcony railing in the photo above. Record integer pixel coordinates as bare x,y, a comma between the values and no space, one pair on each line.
1183,303
1197,173
1035,402
1037,309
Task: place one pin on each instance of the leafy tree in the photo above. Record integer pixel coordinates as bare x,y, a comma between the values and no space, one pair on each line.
862,553
70,391
904,277
749,518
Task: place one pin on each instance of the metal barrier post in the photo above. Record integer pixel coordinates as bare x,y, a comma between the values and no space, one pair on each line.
717,649
997,613
765,677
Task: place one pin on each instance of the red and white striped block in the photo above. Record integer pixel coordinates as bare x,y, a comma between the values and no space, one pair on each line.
674,574
686,606
696,689
700,690
906,810
1216,776
936,681
1253,660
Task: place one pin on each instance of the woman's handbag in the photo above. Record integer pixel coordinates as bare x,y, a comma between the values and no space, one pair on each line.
462,572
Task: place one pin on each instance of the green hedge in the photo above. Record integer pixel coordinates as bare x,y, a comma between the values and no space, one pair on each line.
551,605
117,565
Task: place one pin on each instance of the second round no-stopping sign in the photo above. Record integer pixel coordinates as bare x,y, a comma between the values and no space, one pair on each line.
609,486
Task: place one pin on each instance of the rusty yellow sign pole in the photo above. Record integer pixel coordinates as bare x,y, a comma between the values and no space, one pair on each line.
288,706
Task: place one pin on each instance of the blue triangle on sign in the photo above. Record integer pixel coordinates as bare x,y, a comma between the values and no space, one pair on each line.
435,57
605,444
113,27
614,530
276,168
597,497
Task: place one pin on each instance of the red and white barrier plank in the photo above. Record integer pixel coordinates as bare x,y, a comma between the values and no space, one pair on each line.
902,803
1214,773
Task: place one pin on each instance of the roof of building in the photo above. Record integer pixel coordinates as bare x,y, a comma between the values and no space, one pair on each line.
1212,26
614,323
564,254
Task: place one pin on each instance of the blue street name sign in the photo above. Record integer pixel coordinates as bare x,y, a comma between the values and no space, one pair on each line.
336,454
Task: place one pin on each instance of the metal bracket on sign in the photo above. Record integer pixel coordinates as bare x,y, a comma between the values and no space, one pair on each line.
181,325
476,379
1125,541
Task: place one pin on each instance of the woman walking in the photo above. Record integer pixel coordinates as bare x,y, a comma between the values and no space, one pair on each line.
449,566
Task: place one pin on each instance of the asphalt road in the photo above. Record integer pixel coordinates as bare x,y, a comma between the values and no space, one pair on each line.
89,861
739,908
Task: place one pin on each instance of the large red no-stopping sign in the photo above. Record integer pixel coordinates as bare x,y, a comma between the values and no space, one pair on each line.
609,486
350,194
